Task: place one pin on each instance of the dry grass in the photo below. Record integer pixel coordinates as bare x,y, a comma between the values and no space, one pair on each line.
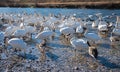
101,4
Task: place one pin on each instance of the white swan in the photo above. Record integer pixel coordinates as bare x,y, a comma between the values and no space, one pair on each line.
80,31
17,43
115,41
95,23
29,29
93,38
78,44
19,33
102,26
67,30
116,31
44,35
10,30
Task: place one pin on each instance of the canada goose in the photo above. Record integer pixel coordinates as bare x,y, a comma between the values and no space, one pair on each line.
42,47
92,51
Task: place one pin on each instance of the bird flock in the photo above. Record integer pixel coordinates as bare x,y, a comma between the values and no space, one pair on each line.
82,33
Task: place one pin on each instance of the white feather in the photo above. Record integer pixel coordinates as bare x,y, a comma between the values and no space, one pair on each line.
79,43
102,27
17,43
67,30
92,36
44,34
19,32
79,29
116,31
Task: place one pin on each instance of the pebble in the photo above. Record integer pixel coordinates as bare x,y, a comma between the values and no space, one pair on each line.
76,68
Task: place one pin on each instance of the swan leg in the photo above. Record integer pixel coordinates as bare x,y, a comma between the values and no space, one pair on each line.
31,36
50,38
15,49
75,53
24,54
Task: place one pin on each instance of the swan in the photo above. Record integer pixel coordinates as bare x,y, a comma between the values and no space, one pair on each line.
44,35
78,44
103,29
116,31
29,29
93,38
95,23
10,30
102,26
67,30
17,43
80,30
19,33
115,40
